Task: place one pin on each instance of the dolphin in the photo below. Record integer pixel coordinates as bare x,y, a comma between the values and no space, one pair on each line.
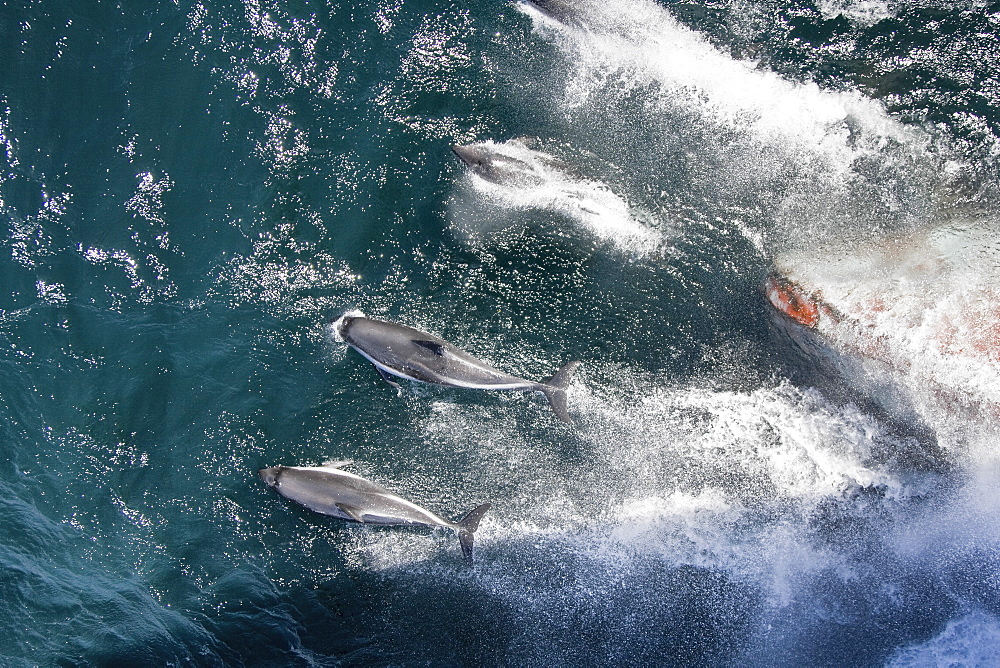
564,11
398,350
521,173
330,490
489,161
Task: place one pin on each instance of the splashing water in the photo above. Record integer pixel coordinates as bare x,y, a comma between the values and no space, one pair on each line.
192,192
923,308
534,179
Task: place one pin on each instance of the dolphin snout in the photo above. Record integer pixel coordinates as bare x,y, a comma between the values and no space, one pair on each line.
465,154
337,326
271,475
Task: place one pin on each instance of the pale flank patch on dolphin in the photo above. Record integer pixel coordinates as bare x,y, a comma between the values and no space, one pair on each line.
404,352
330,490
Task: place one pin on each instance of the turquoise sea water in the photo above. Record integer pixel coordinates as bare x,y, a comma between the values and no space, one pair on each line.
192,191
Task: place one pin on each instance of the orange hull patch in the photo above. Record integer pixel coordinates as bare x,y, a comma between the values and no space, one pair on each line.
792,301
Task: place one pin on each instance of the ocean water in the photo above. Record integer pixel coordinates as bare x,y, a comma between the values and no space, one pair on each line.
192,191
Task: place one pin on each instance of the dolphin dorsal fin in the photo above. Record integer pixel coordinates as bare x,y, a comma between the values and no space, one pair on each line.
432,346
353,512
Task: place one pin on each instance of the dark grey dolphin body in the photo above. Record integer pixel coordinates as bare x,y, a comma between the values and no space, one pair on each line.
492,165
332,491
398,350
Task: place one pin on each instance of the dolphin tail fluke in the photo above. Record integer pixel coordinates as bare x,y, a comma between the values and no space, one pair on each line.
555,390
467,527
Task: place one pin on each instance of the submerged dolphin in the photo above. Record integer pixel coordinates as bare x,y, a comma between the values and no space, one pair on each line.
564,11
398,350
330,490
526,173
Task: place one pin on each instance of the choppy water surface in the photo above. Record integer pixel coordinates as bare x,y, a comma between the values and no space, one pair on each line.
192,191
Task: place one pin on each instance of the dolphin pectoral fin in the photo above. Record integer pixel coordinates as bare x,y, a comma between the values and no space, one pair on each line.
354,513
554,390
432,346
387,377
467,527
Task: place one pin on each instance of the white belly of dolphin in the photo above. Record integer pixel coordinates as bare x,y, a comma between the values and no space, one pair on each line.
456,382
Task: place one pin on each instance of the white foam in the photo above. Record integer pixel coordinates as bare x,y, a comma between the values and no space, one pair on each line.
965,525
641,47
971,640
687,476
541,180
926,305
864,12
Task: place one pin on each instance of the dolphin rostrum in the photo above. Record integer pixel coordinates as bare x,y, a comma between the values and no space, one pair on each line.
330,490
398,350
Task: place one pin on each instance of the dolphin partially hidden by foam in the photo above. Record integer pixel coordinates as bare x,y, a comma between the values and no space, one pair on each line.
521,173
398,350
564,11
490,162
330,490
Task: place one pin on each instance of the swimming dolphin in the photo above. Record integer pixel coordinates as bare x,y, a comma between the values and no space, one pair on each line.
330,490
564,11
490,162
398,350
523,173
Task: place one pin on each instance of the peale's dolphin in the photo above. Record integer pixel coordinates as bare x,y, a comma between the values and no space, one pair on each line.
330,490
491,162
398,350
531,173
564,11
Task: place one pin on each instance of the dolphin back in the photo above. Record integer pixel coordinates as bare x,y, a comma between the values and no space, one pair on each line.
410,353
467,527
554,390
